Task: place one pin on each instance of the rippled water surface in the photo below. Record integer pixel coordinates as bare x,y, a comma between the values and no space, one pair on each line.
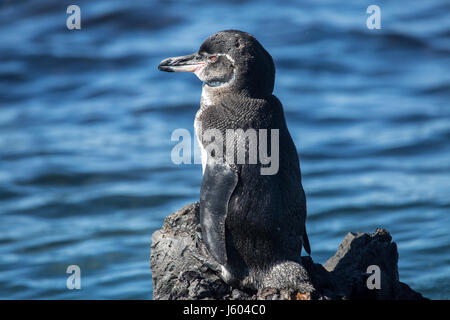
86,119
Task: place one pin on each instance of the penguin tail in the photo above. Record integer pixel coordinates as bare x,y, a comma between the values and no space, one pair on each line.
306,243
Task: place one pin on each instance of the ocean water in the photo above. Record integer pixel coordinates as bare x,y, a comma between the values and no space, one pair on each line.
86,119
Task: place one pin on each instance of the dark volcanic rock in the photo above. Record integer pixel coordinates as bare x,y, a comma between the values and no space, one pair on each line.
177,274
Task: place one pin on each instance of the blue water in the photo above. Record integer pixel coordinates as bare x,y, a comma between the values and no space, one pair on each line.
86,119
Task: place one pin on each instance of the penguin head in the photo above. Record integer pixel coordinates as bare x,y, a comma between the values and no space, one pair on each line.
229,60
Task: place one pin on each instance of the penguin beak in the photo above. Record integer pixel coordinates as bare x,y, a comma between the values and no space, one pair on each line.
189,63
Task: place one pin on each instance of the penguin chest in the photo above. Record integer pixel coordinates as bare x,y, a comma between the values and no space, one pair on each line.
198,132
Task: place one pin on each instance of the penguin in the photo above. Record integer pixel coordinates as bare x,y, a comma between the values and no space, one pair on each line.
252,224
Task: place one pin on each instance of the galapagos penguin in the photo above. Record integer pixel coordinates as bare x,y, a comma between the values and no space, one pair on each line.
253,224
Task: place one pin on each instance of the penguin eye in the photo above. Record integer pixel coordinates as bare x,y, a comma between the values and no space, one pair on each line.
212,58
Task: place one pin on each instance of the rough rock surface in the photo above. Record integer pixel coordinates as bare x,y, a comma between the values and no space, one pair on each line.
178,275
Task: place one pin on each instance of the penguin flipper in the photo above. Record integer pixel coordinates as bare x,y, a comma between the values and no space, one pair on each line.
306,243
218,184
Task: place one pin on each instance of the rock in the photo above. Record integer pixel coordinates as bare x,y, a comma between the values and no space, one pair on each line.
178,275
